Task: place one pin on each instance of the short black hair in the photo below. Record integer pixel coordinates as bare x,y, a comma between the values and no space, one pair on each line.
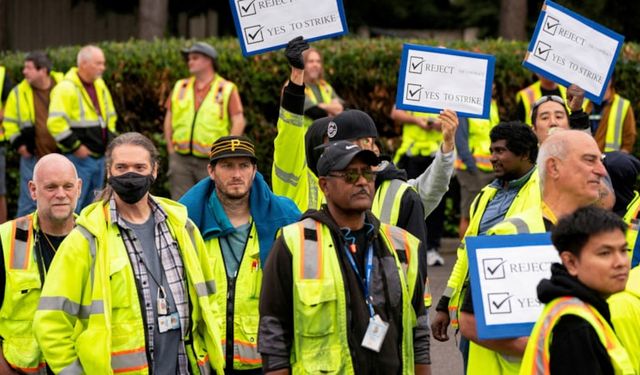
534,111
520,138
40,60
573,231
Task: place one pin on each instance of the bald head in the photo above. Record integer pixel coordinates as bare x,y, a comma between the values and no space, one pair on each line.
53,164
55,188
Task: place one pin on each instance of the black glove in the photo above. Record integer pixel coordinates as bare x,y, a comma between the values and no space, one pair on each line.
294,50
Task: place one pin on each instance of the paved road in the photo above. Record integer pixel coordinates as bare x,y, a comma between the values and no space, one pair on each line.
445,356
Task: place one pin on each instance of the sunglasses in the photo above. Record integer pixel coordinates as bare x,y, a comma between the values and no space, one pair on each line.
351,176
547,98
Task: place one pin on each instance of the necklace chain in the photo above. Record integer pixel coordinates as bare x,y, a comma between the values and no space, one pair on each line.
49,242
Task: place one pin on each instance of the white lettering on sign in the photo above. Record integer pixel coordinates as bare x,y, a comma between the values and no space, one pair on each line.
570,49
265,25
433,79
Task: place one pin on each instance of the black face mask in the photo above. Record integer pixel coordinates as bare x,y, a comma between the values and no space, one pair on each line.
131,186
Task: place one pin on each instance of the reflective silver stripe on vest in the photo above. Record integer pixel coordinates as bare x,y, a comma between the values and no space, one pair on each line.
398,238
291,119
205,288
387,203
288,178
59,114
204,366
617,130
83,122
71,308
247,353
448,292
92,249
20,248
311,252
538,363
521,225
129,360
62,135
75,368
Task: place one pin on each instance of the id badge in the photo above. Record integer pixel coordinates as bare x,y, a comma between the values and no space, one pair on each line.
161,305
376,331
168,322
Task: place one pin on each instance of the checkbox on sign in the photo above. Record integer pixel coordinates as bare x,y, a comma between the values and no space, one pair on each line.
415,64
253,34
550,25
493,268
413,92
542,50
499,303
247,7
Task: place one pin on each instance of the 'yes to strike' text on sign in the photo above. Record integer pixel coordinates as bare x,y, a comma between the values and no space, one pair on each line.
570,49
433,79
265,25
504,272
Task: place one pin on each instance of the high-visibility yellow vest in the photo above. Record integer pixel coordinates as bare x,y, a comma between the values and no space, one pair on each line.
631,218
417,141
617,113
91,282
479,140
320,343
290,175
22,292
3,72
20,112
246,296
530,94
486,361
194,132
625,315
528,197
386,206
71,111
326,94
537,357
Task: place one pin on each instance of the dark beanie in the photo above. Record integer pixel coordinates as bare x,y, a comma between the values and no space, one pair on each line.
623,170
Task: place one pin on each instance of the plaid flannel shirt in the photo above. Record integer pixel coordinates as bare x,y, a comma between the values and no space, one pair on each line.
174,271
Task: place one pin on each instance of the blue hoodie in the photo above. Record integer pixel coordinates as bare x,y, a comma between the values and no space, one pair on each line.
270,212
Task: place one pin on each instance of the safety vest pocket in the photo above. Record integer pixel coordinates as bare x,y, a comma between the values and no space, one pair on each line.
120,284
22,352
327,360
21,303
317,310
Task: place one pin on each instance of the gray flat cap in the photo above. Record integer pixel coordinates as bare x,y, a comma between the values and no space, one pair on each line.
203,48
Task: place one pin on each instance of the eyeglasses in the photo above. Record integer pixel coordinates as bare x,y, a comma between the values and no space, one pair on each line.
351,176
548,98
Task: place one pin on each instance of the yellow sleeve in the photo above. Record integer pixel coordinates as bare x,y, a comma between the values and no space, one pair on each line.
11,117
62,104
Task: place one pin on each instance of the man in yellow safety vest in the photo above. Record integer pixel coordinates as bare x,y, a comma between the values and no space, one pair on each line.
28,245
201,109
574,333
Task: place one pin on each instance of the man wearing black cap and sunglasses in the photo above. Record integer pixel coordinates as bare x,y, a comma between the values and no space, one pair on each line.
201,108
340,293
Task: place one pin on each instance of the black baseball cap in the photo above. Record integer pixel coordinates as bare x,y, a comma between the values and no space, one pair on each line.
232,146
202,48
338,155
351,124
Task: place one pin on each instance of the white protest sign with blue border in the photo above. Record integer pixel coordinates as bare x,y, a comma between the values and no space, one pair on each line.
432,79
267,25
504,273
570,49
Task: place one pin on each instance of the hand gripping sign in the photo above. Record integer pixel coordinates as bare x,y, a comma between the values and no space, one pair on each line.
266,25
504,272
432,79
568,48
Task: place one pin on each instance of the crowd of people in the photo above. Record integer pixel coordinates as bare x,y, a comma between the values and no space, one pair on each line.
324,271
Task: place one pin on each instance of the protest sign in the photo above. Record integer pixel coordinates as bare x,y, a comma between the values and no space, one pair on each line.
432,79
266,25
505,272
570,49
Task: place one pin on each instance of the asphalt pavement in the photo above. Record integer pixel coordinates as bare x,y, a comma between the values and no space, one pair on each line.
445,356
